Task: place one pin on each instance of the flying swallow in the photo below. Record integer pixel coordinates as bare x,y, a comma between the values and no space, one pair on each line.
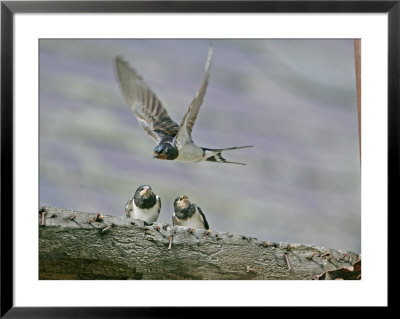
174,141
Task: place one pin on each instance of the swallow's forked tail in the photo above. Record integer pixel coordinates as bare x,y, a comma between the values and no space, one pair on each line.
214,155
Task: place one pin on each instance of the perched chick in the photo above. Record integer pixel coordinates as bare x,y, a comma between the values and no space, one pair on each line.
144,205
188,214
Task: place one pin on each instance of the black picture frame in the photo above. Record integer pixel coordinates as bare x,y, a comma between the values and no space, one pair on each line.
9,8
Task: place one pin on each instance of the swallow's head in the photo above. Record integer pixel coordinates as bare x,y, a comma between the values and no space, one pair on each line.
145,197
165,151
181,202
144,191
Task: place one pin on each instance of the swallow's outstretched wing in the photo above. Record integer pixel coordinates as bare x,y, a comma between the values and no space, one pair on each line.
184,134
148,109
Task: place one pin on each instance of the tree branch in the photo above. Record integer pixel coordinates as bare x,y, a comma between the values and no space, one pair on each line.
77,245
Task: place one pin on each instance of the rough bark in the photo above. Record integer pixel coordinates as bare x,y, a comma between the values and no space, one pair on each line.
78,245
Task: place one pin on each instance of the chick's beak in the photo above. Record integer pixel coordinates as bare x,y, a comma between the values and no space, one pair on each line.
146,192
183,202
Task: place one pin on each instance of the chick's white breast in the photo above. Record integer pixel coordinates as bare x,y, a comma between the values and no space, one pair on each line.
193,222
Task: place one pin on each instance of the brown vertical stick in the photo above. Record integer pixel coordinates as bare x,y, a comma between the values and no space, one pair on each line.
43,218
357,56
288,262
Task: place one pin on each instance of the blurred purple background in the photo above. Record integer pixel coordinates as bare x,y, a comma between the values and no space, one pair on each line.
295,100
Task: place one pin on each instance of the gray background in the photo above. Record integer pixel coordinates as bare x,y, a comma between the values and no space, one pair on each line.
295,100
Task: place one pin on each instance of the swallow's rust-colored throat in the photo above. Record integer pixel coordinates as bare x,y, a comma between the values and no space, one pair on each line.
160,156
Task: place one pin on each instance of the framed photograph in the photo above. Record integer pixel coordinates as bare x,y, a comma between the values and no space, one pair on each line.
206,147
